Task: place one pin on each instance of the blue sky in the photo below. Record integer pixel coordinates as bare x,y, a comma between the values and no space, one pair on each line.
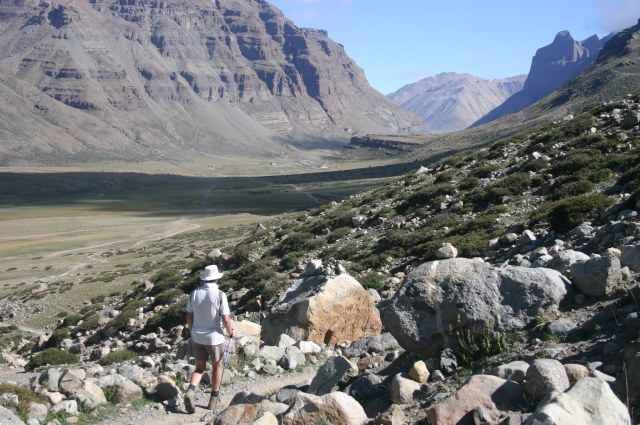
399,42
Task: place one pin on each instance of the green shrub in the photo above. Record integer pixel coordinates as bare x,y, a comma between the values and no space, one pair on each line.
372,280
71,320
469,183
473,342
337,234
56,338
290,260
297,242
575,188
165,279
575,161
167,297
88,323
169,318
52,357
117,357
483,171
571,212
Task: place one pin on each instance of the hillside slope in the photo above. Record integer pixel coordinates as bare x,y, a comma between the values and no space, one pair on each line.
452,101
173,80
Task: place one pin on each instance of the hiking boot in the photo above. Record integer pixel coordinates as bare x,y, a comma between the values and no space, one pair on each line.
190,401
212,401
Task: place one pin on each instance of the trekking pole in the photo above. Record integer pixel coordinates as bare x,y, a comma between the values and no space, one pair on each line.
224,363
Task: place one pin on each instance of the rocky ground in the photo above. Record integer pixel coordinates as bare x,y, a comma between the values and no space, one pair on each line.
527,314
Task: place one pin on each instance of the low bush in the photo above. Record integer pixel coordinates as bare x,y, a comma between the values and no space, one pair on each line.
56,338
117,357
25,398
51,357
372,280
571,212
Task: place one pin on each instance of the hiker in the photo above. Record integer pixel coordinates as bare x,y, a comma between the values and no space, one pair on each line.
207,310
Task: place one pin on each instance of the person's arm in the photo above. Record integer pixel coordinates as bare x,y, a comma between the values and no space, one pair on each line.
228,323
189,321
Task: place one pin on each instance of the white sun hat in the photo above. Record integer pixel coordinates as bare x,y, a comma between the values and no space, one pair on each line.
211,273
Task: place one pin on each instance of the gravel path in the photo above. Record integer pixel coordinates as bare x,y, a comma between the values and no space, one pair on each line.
156,413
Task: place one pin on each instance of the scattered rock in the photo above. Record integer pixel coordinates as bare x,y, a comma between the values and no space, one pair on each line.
630,257
495,394
336,408
575,372
515,371
336,370
545,376
447,251
590,401
597,276
403,389
419,372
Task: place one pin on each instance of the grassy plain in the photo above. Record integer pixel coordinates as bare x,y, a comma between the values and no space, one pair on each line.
69,237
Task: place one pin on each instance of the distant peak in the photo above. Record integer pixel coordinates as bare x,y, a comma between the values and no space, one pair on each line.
563,35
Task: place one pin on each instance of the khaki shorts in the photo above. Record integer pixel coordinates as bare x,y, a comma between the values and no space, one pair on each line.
207,352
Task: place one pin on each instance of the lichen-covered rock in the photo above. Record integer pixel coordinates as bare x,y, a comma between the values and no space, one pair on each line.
460,293
323,310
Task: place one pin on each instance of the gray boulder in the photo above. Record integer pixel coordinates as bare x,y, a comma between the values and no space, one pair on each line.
336,370
366,388
630,257
462,293
133,372
545,376
563,260
597,276
403,389
590,401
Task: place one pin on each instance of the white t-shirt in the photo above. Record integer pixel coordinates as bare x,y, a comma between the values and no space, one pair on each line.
207,308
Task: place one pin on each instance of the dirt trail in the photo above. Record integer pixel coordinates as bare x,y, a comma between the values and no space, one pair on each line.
262,385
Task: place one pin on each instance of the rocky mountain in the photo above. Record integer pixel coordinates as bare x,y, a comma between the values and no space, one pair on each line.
169,81
615,73
551,67
452,101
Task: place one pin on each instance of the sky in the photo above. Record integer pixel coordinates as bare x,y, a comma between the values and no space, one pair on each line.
400,42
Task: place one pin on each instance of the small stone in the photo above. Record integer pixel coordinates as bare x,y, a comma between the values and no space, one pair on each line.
419,372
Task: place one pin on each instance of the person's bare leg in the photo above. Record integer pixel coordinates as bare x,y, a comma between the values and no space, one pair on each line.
216,378
196,376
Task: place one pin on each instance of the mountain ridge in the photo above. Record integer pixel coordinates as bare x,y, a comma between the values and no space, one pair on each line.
173,79
452,101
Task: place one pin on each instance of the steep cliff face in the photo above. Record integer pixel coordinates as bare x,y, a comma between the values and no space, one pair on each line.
551,67
452,101
233,76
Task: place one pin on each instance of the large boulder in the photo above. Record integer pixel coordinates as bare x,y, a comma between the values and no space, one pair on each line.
597,276
590,401
323,310
334,408
459,293
495,395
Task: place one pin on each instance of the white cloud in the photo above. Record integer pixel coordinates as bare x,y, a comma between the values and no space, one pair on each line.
616,15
